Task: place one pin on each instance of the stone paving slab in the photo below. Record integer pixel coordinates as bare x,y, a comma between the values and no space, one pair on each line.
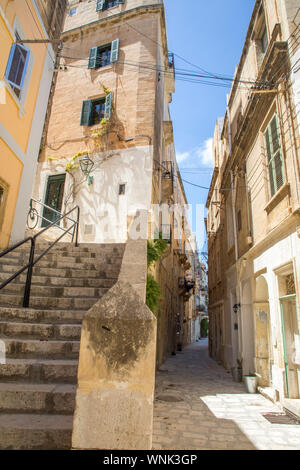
199,407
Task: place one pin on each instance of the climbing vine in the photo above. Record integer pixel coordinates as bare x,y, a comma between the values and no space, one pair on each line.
99,149
155,250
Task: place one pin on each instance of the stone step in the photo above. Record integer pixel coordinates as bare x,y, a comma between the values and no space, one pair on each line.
103,271
40,331
59,262
62,282
33,348
30,315
71,251
37,398
63,303
91,247
39,371
35,431
53,291
23,258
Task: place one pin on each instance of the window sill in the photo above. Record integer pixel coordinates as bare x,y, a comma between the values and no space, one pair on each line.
4,83
104,67
281,193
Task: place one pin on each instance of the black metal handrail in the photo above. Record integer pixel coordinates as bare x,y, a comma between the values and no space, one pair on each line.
44,206
32,262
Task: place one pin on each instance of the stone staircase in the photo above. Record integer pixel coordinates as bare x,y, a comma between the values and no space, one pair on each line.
38,381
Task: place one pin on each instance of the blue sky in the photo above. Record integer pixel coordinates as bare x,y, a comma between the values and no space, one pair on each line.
209,34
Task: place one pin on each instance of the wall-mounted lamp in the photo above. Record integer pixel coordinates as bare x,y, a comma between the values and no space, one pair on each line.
236,307
86,165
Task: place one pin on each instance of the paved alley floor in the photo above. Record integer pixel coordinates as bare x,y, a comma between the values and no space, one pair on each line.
199,406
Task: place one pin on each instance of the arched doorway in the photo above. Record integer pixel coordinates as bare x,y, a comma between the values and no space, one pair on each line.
262,331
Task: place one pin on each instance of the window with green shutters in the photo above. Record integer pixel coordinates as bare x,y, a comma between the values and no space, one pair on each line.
100,56
106,4
274,154
93,111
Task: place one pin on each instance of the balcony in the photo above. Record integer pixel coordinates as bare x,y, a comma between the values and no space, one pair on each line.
167,180
186,288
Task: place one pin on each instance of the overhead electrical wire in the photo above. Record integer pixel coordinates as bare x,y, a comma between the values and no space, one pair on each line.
187,76
178,72
179,76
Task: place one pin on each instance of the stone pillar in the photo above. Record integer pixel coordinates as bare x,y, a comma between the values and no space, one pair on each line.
114,399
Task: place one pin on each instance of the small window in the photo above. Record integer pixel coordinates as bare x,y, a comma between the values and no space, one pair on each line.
17,66
239,220
264,41
106,4
98,111
73,11
93,111
122,189
101,56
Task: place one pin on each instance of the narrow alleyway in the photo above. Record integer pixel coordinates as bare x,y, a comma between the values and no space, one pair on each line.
198,406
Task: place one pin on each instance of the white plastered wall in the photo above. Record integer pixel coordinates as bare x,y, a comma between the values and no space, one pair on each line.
283,252
103,212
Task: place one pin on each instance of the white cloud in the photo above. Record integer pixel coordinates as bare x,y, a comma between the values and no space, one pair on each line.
182,156
205,153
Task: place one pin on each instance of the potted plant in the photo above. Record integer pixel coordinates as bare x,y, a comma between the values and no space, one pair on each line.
237,372
251,382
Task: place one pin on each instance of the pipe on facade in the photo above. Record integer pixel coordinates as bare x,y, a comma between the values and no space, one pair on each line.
238,290
290,124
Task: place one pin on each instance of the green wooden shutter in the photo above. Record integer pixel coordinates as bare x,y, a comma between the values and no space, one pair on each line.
100,5
93,59
275,134
121,1
114,55
275,163
86,113
269,153
108,106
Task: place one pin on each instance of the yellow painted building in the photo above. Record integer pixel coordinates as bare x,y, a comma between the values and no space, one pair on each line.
26,72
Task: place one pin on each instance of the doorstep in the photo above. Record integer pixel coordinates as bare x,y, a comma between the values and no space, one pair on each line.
292,406
268,392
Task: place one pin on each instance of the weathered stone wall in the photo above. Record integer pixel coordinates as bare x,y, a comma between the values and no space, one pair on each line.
116,375
53,16
266,220
87,9
114,399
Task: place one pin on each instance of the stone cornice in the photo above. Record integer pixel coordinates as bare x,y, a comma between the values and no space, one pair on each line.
117,18
212,185
127,14
283,229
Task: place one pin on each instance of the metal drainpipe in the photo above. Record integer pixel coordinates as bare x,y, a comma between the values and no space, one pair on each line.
239,296
247,206
290,124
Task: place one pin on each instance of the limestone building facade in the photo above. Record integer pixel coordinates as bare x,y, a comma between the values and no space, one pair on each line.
110,110
253,209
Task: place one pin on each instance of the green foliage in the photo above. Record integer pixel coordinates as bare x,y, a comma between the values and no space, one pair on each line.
153,293
155,249
204,327
102,130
